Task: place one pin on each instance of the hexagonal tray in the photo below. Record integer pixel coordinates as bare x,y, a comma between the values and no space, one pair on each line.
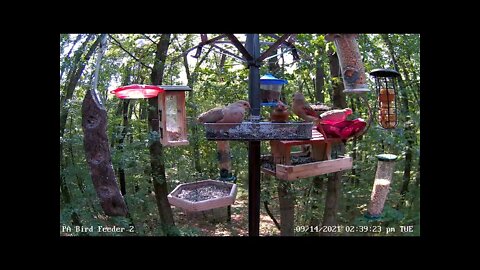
203,195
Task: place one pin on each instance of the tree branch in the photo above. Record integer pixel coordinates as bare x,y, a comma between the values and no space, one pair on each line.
265,203
149,39
120,45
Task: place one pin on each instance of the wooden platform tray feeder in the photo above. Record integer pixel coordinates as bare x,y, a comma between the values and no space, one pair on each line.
203,195
289,166
259,131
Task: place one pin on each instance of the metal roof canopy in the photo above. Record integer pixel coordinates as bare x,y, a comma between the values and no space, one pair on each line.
175,87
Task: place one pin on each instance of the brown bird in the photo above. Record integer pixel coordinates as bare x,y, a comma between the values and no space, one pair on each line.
233,113
280,113
302,109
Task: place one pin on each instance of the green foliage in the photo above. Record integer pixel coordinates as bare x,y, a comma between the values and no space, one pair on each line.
214,87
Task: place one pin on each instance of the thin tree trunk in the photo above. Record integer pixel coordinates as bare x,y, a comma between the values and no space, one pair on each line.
405,114
319,77
287,208
354,151
315,198
157,159
317,182
67,64
73,77
338,97
334,180
120,146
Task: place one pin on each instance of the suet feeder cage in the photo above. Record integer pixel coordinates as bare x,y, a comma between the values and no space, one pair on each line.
381,186
270,90
351,64
171,109
385,82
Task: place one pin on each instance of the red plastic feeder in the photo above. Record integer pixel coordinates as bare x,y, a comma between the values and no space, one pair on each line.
137,91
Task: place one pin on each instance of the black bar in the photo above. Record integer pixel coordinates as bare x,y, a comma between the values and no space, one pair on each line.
273,48
253,48
240,47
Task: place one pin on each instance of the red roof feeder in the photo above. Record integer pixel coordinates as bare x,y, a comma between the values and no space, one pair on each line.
137,91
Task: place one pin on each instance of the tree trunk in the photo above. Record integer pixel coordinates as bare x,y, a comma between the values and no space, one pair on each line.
195,133
120,146
331,201
125,104
319,77
406,117
317,181
334,180
315,197
287,208
94,123
338,97
74,75
157,159
66,65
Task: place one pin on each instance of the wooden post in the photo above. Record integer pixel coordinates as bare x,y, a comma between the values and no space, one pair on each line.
224,159
225,166
281,155
97,151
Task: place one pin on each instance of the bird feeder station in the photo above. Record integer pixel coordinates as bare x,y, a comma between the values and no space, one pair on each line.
381,186
171,109
385,81
172,115
351,64
270,90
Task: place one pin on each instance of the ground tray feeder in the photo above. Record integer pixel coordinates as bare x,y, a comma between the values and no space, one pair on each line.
259,131
203,195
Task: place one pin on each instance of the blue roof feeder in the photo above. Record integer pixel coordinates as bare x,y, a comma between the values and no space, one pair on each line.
270,89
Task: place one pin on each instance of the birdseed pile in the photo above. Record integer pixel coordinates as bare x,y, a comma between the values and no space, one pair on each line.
379,196
204,193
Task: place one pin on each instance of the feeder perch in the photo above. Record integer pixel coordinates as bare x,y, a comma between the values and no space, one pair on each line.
256,131
171,108
381,186
351,64
270,89
203,195
385,82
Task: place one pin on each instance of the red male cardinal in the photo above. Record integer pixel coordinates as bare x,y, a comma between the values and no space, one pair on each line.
302,109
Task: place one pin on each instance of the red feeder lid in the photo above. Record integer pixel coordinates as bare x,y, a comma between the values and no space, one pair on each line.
137,91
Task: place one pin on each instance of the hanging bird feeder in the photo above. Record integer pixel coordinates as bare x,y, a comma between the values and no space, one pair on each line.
385,81
171,108
351,64
381,186
270,90
135,91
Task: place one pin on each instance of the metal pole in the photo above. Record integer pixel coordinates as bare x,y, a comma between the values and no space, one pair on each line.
253,47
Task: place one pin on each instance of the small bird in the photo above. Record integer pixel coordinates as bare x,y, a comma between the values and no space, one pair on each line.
233,113
302,109
280,113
